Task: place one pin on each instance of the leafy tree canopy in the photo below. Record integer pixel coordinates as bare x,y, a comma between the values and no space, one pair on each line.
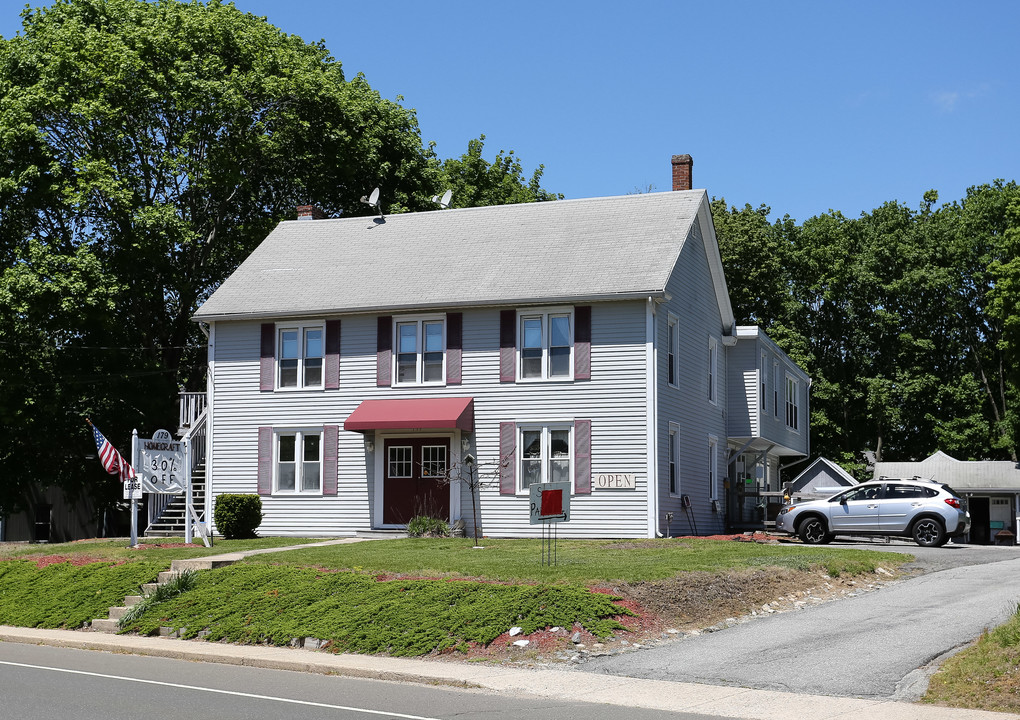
146,148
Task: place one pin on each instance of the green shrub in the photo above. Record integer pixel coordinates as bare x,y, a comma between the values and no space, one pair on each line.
425,526
238,516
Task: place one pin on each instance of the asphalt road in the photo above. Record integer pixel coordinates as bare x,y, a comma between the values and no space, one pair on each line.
42,683
873,645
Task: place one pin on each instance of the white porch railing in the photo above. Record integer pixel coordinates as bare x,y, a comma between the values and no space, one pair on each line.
192,406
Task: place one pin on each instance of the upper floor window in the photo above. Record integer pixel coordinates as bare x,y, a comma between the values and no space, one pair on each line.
545,454
673,351
546,344
300,358
298,462
713,369
792,403
775,387
762,379
420,357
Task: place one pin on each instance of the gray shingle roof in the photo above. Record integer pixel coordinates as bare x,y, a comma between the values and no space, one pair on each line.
960,474
588,249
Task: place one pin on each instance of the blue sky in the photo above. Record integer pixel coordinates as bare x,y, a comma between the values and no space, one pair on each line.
803,106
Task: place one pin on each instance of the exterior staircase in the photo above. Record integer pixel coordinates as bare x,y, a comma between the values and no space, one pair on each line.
167,513
170,522
111,624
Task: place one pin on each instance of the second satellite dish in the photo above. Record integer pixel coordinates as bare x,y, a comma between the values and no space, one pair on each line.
444,202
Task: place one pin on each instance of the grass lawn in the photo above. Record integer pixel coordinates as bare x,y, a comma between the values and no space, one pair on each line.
154,549
578,561
400,597
985,676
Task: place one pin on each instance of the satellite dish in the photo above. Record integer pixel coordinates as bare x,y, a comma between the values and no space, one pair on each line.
444,202
372,199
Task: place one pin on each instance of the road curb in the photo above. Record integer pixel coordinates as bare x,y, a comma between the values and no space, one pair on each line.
567,684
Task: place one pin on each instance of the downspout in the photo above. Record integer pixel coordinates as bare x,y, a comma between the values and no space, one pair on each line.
210,333
651,420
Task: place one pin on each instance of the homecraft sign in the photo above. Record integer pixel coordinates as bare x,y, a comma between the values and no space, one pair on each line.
162,464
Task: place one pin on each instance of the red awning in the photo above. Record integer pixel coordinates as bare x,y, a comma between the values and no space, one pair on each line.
416,414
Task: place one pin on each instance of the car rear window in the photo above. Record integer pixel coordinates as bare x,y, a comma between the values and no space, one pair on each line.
952,492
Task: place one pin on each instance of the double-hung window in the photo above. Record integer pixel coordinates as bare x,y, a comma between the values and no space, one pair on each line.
713,370
673,351
792,403
301,355
420,357
545,454
546,345
762,378
713,468
298,463
674,459
775,387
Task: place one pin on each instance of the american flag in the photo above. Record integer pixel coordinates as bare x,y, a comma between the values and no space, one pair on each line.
111,459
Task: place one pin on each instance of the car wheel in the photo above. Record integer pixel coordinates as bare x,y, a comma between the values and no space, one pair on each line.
812,531
928,532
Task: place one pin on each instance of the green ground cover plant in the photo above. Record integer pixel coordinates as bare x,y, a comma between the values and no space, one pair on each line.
62,595
985,676
358,613
579,561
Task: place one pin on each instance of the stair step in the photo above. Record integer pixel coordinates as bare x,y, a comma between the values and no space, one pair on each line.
119,611
149,588
166,576
105,625
132,600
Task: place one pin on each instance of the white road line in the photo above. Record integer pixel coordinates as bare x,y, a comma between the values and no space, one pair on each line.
221,692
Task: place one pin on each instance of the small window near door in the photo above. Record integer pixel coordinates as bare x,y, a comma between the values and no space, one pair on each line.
433,461
399,461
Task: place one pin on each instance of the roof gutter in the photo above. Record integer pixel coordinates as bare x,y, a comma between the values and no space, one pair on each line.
657,295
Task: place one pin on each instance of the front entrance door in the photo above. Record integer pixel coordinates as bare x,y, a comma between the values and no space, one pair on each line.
416,479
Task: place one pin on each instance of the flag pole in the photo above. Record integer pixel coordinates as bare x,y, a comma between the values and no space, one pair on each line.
134,502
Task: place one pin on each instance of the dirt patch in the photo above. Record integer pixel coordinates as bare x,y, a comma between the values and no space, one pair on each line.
667,610
42,561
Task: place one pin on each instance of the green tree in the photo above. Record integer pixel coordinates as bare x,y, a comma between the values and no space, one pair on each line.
146,148
476,182
157,144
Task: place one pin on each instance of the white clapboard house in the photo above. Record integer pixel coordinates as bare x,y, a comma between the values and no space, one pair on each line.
355,363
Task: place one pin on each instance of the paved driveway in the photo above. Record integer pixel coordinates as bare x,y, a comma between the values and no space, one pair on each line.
871,645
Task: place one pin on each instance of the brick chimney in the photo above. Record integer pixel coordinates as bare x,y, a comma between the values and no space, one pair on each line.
310,212
682,165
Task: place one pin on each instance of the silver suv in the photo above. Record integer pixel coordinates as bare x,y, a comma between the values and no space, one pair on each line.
928,512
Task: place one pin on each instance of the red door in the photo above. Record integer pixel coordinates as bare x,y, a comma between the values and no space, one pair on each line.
416,479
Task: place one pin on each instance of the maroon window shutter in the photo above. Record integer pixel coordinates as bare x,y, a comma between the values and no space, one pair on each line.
507,345
332,354
330,453
267,358
582,457
265,472
582,342
384,347
507,458
454,346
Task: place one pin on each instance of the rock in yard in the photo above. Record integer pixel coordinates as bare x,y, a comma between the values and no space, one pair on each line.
515,631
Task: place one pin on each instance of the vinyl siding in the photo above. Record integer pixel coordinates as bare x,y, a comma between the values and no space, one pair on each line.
614,400
693,300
